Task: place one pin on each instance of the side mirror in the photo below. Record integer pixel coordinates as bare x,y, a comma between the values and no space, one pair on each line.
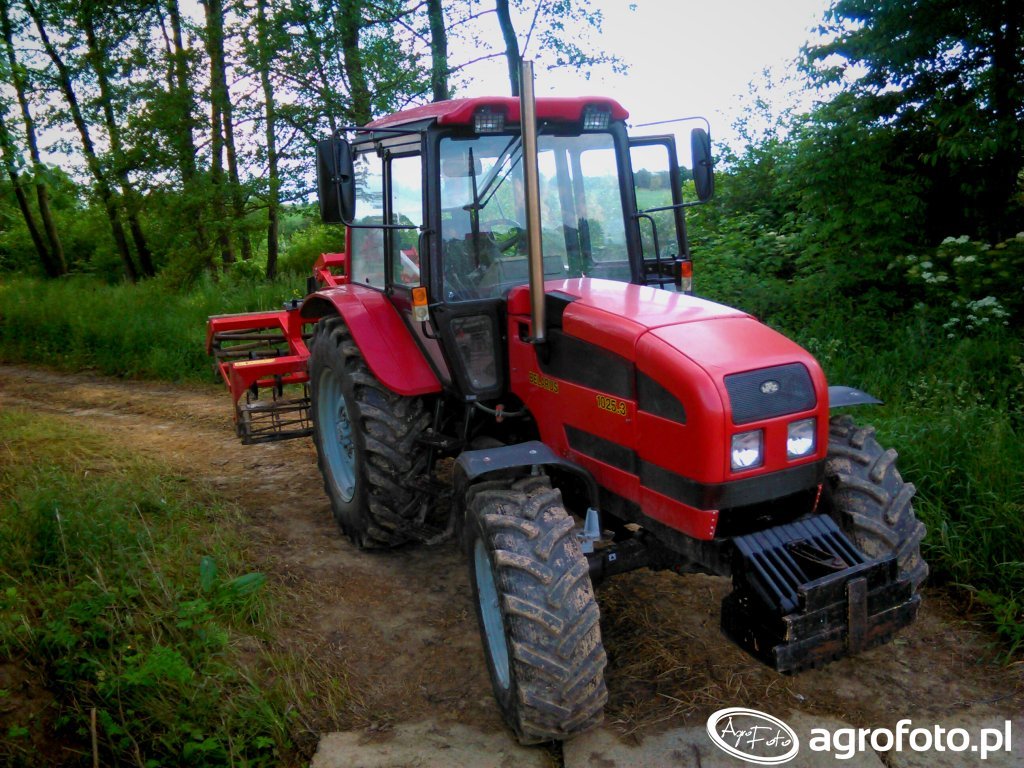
335,181
703,165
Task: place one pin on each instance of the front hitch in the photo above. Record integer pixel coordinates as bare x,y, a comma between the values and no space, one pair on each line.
805,595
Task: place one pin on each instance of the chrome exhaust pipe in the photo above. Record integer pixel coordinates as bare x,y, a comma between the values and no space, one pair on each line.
531,178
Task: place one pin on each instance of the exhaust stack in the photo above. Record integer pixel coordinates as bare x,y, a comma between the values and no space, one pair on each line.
531,178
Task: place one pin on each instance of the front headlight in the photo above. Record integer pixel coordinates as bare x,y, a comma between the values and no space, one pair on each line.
747,450
800,441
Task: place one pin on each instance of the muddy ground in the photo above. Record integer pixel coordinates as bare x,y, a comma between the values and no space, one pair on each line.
398,630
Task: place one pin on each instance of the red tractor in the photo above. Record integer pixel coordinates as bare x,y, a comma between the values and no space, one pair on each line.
513,307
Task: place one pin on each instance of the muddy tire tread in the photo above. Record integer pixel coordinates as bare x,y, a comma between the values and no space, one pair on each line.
551,617
389,425
870,500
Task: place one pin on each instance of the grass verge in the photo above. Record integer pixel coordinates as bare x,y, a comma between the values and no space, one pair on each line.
127,613
152,330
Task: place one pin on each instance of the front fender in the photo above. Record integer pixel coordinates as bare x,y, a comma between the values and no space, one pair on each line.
473,465
840,397
377,329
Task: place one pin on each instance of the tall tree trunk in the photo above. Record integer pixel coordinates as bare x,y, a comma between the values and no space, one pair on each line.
54,261
214,49
237,200
89,150
10,164
351,25
323,81
273,193
97,57
182,89
438,51
185,147
219,70
508,33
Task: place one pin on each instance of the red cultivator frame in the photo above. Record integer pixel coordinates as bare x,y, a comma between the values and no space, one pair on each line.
267,351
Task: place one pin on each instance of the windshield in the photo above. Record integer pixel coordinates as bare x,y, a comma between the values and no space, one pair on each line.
483,215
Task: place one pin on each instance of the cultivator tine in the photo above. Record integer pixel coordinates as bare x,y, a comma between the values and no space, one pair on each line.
277,418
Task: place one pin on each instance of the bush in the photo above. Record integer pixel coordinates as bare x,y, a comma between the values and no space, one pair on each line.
967,286
305,246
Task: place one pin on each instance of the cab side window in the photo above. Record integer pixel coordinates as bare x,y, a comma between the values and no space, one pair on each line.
406,209
368,244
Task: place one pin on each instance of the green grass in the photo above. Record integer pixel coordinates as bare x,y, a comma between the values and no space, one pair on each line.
152,330
124,591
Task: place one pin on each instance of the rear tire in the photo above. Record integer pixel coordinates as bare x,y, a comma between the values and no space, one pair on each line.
366,442
868,499
539,621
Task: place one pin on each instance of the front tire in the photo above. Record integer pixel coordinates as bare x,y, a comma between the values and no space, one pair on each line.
535,604
869,500
366,439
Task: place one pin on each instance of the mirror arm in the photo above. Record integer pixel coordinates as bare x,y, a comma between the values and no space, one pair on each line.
673,207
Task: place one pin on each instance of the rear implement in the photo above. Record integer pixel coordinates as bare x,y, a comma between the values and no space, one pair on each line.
261,357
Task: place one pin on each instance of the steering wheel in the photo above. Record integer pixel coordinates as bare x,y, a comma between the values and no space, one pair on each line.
516,232
492,223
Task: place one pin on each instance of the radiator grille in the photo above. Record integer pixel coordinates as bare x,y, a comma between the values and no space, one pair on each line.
770,392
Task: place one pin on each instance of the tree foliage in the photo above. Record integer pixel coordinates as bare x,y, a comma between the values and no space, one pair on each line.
948,77
186,126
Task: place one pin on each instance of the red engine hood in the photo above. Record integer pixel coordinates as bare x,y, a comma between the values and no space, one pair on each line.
688,346
616,315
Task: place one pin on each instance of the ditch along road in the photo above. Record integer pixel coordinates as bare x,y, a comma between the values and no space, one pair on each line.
398,629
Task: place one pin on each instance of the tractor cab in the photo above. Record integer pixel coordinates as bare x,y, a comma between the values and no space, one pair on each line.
434,200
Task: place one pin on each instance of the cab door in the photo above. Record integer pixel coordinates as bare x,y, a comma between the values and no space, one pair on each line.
406,262
658,193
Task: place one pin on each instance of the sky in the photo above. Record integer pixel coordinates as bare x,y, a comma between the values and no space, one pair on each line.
685,57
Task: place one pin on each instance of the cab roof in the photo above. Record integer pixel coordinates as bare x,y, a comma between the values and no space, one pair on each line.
461,111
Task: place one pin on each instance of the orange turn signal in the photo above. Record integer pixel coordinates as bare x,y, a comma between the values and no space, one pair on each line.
419,304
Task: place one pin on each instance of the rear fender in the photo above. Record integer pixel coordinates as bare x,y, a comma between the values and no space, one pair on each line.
386,343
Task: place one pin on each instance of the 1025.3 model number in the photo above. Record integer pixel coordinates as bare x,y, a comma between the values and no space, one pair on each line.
611,405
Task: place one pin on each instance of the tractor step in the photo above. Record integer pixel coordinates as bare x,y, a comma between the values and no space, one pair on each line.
805,595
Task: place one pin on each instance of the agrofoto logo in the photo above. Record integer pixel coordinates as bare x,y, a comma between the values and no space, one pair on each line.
754,736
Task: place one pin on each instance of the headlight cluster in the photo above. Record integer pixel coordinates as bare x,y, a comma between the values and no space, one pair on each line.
747,450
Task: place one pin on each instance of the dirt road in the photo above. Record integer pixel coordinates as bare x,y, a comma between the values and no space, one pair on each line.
397,628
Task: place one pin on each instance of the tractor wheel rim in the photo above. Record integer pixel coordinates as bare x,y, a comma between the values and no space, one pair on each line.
339,450
490,612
